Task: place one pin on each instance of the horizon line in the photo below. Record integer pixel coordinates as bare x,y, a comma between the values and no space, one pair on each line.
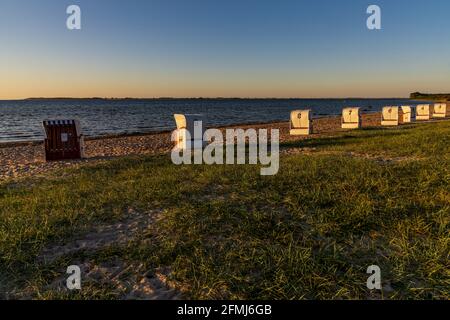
195,98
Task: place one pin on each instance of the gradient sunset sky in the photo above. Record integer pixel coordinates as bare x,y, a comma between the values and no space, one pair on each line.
232,48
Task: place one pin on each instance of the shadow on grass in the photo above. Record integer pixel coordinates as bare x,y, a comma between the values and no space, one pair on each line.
343,140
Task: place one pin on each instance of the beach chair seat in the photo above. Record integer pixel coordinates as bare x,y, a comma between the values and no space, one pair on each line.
390,116
301,122
423,112
188,125
351,118
407,114
440,110
63,140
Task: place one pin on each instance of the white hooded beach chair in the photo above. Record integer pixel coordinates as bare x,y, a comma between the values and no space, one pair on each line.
440,110
407,115
423,112
390,116
301,123
190,130
351,118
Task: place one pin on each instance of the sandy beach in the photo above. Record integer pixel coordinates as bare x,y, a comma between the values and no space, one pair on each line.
23,159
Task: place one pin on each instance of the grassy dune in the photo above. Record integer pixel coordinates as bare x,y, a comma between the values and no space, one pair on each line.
337,205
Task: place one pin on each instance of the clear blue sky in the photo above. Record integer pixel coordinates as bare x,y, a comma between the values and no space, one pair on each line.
246,48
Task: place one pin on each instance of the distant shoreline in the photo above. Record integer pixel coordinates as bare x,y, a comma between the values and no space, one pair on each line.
412,96
202,98
430,96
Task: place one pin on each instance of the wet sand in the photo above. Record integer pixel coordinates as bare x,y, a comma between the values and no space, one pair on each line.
19,160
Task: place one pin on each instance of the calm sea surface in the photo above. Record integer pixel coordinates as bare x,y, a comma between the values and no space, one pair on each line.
22,120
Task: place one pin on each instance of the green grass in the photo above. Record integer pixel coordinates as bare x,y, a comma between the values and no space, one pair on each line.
377,196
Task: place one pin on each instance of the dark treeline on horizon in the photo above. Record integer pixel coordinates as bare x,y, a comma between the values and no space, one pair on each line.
430,96
207,98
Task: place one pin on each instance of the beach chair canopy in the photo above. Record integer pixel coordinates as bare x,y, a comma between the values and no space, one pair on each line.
63,140
189,122
406,113
406,109
423,112
300,119
351,118
301,122
186,131
350,115
440,110
390,116
390,113
423,109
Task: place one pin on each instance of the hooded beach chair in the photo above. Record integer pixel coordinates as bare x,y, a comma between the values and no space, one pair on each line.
190,130
351,118
301,122
390,116
440,110
407,114
423,112
63,140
